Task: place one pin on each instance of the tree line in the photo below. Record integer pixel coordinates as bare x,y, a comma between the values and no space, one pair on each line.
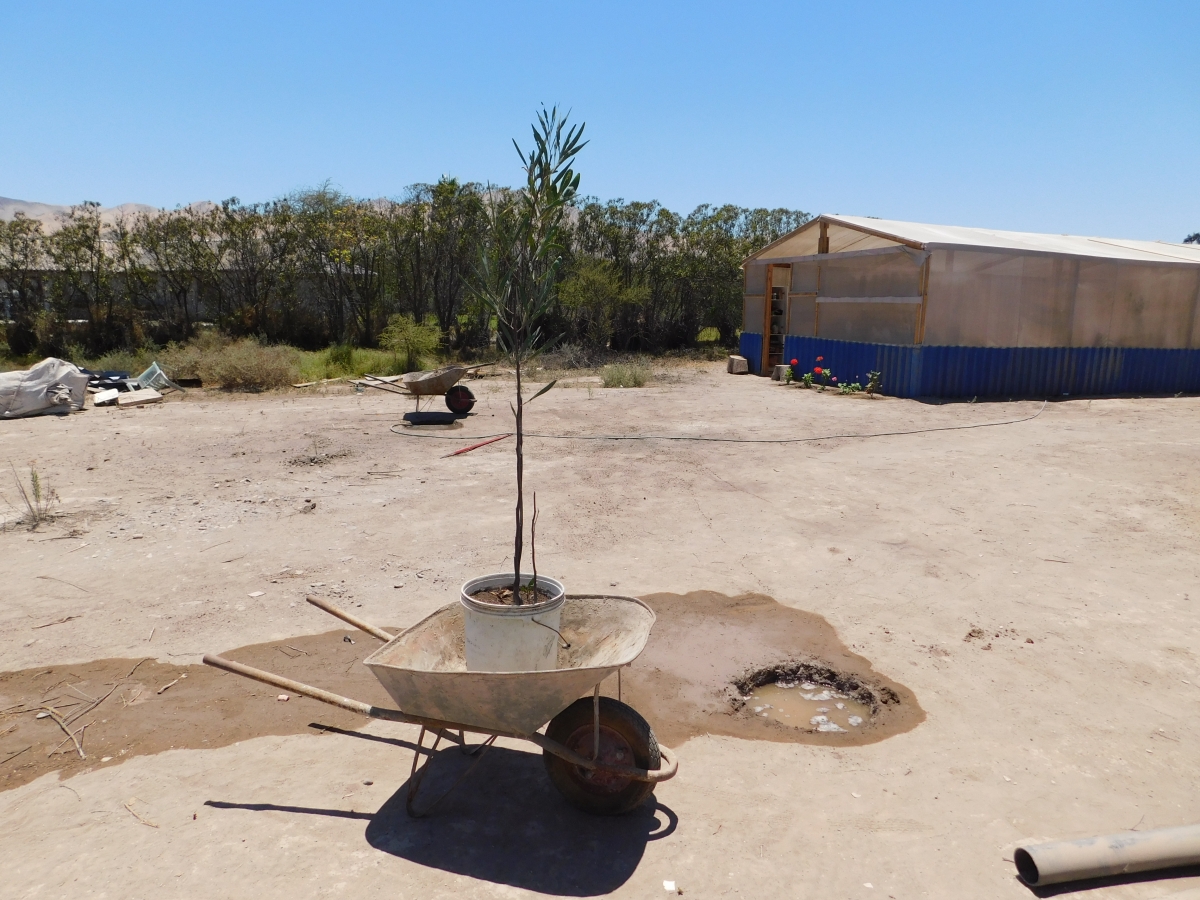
319,268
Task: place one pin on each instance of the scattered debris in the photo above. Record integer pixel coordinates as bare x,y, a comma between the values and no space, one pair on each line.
135,813
51,386
975,633
56,622
139,398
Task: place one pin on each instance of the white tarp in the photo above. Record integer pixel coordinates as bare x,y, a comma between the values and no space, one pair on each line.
52,386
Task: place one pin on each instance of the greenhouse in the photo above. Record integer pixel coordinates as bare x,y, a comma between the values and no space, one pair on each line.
953,311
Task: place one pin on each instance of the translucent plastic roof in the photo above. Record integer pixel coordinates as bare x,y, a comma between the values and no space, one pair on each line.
849,233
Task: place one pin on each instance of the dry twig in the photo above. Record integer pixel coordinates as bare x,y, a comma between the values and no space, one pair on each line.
134,669
165,686
75,715
135,813
60,581
15,755
57,621
63,725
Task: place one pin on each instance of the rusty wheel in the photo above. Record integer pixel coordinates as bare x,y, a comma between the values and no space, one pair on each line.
459,399
625,740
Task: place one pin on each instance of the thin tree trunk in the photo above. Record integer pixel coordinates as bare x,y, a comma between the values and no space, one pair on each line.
520,494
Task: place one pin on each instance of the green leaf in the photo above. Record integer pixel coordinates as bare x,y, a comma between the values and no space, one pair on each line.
542,391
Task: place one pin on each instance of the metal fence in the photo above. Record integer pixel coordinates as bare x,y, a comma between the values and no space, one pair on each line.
945,371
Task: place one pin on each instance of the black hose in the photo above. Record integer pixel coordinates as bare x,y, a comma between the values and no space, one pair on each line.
718,440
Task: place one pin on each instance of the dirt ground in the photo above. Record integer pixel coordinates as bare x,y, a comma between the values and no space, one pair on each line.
1029,584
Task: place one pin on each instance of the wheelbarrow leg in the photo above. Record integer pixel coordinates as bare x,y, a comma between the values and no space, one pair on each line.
417,774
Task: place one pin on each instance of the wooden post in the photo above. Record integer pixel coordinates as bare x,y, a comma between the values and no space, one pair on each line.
919,330
766,334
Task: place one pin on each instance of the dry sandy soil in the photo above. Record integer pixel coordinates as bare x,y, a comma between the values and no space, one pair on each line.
1074,530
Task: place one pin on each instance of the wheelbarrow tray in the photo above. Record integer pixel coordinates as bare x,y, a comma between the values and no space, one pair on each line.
425,384
424,668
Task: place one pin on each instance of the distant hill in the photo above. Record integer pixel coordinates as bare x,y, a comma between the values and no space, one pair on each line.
52,216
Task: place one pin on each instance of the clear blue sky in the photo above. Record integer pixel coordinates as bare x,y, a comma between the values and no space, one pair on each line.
1079,117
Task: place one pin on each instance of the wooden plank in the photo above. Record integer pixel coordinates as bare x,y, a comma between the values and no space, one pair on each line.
919,336
139,398
766,332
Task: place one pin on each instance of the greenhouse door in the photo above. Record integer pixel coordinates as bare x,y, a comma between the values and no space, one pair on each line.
775,327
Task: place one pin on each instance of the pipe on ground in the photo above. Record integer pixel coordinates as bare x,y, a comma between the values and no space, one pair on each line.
1114,854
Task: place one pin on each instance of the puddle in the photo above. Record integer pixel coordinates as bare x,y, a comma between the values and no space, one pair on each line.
809,706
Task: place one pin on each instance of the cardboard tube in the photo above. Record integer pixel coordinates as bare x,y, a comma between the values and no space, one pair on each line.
1114,854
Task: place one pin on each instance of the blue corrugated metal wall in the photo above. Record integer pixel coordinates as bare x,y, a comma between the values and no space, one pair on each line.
750,346
926,371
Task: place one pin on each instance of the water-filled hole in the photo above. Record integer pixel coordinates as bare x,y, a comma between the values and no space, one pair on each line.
809,696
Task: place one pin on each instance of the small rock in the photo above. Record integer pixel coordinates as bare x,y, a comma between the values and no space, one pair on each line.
347,639
256,593
105,759
282,698
368,782
136,537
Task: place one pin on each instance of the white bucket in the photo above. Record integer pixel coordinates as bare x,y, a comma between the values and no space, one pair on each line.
511,638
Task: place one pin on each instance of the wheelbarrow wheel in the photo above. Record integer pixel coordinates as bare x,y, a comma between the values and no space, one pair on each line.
625,740
459,399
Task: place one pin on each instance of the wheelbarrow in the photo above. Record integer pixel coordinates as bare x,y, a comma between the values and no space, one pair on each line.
600,753
444,381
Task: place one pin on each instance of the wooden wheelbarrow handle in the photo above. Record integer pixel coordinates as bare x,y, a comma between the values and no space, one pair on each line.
349,618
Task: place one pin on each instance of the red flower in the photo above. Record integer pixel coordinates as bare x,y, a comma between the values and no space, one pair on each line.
794,362
820,359
817,370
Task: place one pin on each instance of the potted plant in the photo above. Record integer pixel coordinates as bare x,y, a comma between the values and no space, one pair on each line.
512,619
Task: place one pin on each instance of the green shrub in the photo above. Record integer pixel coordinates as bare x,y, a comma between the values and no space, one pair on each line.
625,375
339,357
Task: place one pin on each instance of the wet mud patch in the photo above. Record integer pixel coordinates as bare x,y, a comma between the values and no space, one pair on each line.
159,706
708,651
705,651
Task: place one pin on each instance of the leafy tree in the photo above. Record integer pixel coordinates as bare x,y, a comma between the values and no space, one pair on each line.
342,251
256,290
517,274
22,263
181,248
1192,238
592,296
405,335
84,285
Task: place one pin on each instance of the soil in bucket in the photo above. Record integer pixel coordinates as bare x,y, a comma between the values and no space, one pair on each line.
505,597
